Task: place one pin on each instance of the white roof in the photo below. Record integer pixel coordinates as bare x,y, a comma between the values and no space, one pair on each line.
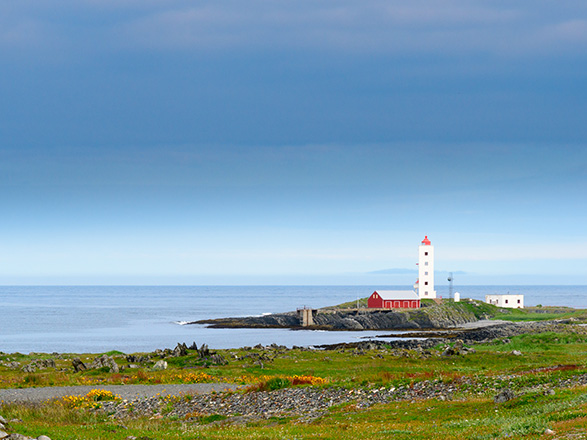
504,295
397,294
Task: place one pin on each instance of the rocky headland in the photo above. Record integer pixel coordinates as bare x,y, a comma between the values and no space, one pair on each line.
431,316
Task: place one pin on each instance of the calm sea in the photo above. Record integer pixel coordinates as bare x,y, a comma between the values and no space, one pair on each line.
95,319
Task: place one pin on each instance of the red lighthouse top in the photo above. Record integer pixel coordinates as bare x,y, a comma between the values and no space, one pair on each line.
426,241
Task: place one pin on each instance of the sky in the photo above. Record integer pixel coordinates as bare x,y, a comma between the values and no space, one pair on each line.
292,142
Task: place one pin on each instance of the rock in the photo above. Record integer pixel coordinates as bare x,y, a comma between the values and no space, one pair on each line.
2,426
504,396
2,419
3,434
43,437
105,361
517,353
549,431
204,351
449,351
180,350
349,324
78,365
218,359
136,359
162,353
29,368
160,365
44,363
17,437
38,364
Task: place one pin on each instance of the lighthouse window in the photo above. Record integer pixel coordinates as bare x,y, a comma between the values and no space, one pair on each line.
425,273
519,301
506,301
425,253
426,283
426,263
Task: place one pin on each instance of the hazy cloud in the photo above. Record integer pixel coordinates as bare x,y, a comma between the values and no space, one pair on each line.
456,26
373,26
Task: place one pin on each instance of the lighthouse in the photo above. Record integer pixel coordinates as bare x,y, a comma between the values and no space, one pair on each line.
426,270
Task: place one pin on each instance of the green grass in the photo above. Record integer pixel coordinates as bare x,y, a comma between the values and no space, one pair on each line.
540,314
340,367
362,302
547,358
475,418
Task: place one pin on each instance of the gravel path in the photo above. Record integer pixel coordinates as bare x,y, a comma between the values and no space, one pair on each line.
124,391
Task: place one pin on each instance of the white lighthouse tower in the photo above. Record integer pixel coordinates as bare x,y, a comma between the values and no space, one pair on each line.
426,270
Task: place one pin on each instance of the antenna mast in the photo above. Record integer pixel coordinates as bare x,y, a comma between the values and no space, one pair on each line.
450,280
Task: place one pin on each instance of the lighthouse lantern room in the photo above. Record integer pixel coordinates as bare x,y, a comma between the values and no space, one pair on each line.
426,270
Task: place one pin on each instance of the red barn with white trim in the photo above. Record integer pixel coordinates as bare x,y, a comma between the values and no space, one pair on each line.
394,299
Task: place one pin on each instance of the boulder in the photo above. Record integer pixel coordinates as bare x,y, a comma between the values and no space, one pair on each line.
204,351
218,359
136,359
504,396
160,365
11,365
45,363
105,361
180,350
39,364
29,368
78,365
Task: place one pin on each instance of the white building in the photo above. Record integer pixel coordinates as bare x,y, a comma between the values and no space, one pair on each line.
509,301
426,270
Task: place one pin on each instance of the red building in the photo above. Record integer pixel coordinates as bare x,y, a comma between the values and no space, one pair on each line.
394,299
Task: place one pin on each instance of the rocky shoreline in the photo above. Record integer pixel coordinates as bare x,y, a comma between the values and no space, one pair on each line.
433,316
477,335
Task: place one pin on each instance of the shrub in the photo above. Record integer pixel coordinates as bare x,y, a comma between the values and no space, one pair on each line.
89,400
277,383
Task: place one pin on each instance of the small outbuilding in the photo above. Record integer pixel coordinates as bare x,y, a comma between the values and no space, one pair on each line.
507,301
394,299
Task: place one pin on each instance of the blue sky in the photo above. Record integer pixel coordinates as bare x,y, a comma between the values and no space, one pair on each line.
282,142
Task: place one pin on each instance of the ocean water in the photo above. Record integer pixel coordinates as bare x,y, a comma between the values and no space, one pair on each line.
94,319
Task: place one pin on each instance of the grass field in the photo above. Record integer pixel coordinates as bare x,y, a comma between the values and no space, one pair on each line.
552,361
